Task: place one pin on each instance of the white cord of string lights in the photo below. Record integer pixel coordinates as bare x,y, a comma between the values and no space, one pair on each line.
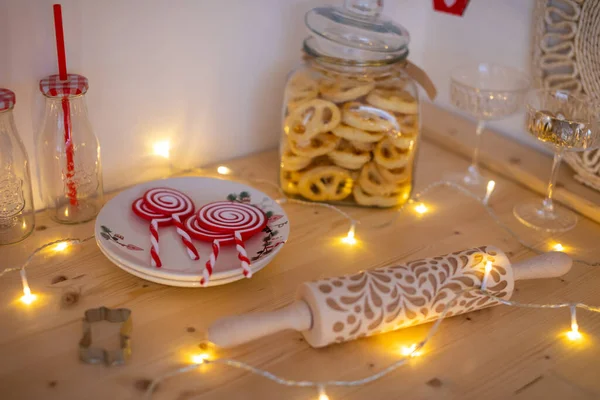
573,334
284,199
349,238
484,204
28,297
67,241
414,350
226,173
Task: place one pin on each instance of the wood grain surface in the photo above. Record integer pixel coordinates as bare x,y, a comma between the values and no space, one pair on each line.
497,353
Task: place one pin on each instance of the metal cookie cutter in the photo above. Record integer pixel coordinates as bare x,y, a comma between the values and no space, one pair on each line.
96,355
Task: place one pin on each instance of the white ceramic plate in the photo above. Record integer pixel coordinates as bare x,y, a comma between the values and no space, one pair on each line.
125,239
180,283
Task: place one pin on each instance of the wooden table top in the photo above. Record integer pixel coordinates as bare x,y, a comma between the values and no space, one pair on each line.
497,353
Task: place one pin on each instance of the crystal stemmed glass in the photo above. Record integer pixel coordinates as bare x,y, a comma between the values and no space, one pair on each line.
565,122
486,92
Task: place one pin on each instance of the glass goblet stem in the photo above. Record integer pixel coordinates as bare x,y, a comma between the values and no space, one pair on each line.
474,175
548,204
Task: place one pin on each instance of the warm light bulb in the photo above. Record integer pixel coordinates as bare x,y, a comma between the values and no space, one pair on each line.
322,394
574,334
486,275
421,208
410,351
28,297
350,239
162,148
558,247
199,358
62,246
488,192
223,170
488,267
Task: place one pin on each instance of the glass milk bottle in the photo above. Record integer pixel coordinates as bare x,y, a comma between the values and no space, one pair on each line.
16,200
69,152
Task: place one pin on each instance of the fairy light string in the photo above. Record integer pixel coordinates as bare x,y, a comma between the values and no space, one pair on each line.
460,189
349,239
413,351
61,244
418,207
414,203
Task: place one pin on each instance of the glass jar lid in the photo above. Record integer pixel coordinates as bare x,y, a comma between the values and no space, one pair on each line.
355,34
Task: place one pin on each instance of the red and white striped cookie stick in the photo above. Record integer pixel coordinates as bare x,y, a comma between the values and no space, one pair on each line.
185,238
210,264
242,255
154,250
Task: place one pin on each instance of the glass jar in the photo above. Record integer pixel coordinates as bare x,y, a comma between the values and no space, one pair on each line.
351,110
17,214
69,152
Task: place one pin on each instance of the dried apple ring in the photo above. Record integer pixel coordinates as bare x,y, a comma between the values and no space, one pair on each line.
403,142
372,182
396,175
407,134
408,121
363,146
320,161
365,199
348,156
325,184
293,162
393,84
368,118
300,88
356,135
342,91
389,156
409,124
310,118
289,181
319,145
394,100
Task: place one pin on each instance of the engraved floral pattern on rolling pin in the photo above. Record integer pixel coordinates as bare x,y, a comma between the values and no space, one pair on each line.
390,298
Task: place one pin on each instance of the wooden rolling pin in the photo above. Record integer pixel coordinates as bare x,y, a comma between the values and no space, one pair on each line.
339,309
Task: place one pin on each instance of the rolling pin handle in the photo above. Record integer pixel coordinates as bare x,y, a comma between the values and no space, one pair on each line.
548,265
233,331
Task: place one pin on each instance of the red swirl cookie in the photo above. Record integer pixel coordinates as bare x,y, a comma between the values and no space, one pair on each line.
169,202
231,217
141,209
198,232
176,205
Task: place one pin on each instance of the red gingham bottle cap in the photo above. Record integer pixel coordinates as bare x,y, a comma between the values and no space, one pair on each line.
52,86
7,99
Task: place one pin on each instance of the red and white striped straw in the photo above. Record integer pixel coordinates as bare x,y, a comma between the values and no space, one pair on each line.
62,72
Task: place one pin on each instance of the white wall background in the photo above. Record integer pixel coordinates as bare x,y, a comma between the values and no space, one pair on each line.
208,75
